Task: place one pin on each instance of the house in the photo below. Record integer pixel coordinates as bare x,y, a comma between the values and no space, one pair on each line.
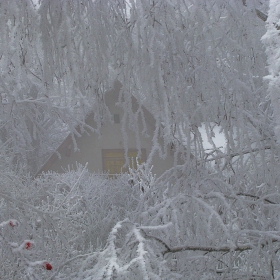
106,153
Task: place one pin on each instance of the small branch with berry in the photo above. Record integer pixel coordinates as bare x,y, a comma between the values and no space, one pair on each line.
21,249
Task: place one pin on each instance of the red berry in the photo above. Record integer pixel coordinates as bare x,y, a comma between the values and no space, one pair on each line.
48,266
11,224
27,245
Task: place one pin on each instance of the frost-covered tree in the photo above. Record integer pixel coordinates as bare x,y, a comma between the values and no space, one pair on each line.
193,64
58,220
271,41
37,108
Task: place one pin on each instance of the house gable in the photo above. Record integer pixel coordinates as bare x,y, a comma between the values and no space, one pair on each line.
94,150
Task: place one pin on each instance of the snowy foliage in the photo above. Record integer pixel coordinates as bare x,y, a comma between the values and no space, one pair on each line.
63,217
193,64
188,62
180,226
271,41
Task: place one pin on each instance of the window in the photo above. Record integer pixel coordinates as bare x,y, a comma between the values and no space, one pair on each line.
116,118
114,160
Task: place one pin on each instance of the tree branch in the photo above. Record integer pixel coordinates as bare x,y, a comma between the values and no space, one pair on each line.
256,197
244,152
209,249
261,15
157,239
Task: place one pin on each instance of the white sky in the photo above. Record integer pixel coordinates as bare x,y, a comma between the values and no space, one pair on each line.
219,139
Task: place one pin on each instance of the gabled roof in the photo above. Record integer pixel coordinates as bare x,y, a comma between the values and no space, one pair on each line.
68,141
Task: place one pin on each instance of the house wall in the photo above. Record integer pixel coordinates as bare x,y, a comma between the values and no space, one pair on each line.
90,146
